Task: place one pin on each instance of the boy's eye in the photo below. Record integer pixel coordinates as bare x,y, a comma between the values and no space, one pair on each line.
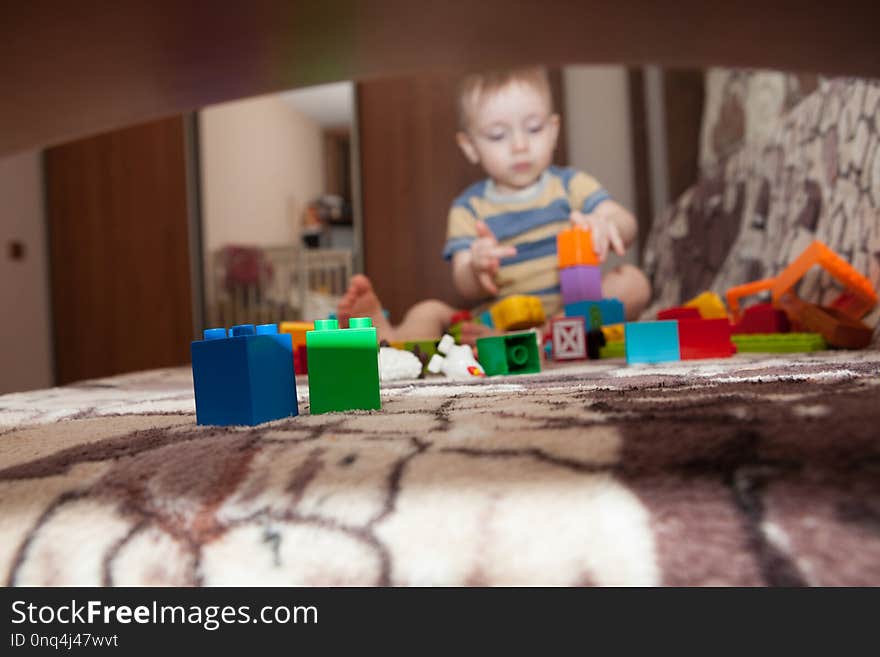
495,136
535,128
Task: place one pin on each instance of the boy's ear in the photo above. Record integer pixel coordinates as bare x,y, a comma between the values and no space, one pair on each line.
466,144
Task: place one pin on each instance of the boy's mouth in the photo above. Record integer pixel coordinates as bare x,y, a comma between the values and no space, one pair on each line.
522,167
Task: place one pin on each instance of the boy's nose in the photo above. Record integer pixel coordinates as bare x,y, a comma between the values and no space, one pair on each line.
520,143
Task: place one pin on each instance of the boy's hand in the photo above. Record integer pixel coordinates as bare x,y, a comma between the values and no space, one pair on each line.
604,233
486,257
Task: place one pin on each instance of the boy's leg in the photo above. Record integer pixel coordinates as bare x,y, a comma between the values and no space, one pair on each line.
631,286
425,320
360,300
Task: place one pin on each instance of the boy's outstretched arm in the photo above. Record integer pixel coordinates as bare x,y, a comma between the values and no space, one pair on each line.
611,224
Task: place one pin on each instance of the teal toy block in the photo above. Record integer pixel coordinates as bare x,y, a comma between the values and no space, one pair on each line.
610,311
486,319
343,366
244,377
651,342
514,353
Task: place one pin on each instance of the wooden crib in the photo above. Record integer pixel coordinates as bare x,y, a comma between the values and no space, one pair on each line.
287,283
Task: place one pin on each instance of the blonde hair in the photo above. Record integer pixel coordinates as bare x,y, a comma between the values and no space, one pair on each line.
477,86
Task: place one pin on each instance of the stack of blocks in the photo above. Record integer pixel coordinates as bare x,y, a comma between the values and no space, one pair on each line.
580,280
343,366
243,377
297,331
579,274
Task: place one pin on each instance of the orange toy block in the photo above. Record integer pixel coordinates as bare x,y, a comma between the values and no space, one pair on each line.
574,246
297,332
734,294
858,296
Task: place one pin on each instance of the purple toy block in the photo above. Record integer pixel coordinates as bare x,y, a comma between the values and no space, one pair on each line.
580,283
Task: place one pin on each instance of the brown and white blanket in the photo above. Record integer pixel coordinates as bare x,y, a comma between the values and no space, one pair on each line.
746,471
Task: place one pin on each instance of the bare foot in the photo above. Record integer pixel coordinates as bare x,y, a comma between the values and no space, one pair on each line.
470,331
360,300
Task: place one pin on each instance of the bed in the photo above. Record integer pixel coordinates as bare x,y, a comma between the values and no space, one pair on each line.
755,470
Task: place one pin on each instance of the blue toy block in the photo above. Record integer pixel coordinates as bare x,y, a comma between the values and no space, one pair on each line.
486,319
244,377
652,342
610,312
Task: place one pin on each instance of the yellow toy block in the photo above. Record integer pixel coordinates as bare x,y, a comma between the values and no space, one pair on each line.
613,332
517,312
297,332
709,304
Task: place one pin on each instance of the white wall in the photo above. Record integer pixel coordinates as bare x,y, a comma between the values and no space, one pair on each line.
596,117
25,333
262,162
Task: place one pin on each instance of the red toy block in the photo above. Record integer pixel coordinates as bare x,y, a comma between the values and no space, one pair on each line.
762,318
460,316
705,338
300,360
679,312
838,328
569,340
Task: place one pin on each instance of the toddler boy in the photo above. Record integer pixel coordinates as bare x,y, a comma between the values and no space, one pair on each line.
502,230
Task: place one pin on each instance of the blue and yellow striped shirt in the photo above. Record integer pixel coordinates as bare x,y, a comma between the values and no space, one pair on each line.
528,221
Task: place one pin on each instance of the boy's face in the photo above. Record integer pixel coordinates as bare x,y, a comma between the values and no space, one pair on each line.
512,134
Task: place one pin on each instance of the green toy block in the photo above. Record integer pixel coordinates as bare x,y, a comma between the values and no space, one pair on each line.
778,343
514,353
427,347
614,349
343,366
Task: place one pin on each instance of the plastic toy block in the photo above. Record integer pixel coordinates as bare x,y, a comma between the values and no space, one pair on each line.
243,377
610,311
779,343
613,349
581,283
735,294
343,366
838,329
705,338
679,313
858,296
652,342
297,331
514,353
709,304
301,360
486,319
460,316
574,246
517,312
762,318
613,332
569,339
595,342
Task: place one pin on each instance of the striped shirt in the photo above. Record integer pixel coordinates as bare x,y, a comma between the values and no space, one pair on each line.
529,220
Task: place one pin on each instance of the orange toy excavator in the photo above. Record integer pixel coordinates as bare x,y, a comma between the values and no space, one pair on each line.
839,322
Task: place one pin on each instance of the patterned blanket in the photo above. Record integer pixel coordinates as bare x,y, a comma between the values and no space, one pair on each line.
747,471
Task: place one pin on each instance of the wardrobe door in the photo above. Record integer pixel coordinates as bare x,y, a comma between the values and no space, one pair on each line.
119,251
